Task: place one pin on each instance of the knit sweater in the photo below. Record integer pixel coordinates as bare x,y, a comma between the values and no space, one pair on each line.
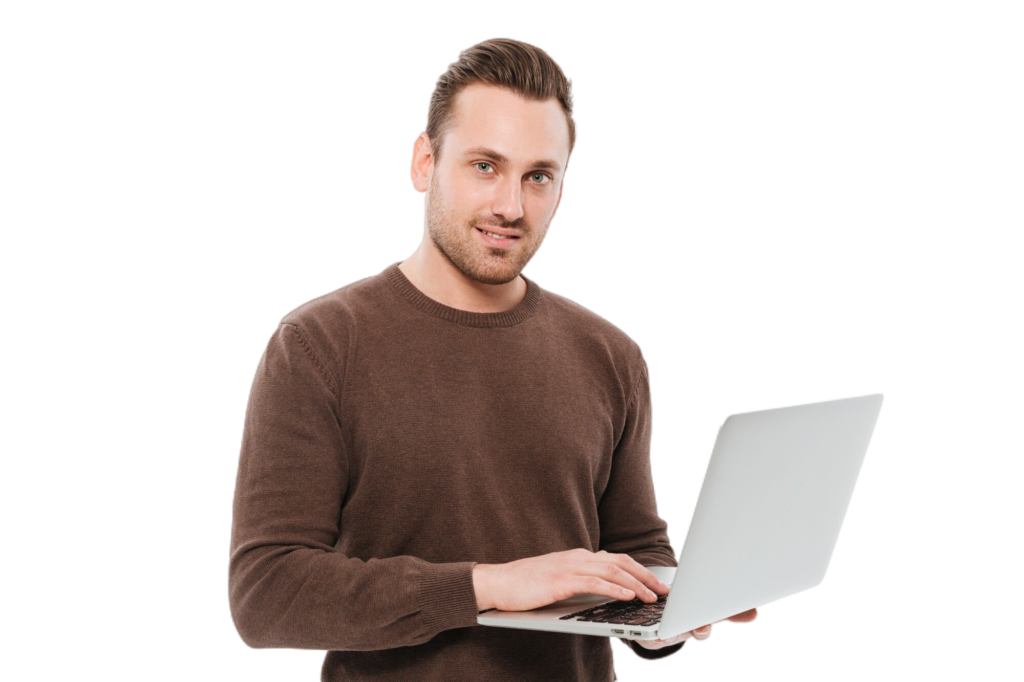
391,442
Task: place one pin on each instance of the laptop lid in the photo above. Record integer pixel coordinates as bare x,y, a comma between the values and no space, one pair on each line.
770,509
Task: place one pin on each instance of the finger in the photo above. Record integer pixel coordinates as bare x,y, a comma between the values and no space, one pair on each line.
625,580
701,633
661,643
744,617
643,575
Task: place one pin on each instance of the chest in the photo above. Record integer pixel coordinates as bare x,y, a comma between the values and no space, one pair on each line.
480,414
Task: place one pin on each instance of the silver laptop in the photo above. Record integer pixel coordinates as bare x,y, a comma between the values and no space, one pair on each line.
767,519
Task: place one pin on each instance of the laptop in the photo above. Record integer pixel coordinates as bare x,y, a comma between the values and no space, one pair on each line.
767,519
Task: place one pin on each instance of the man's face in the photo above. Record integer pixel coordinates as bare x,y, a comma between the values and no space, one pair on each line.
500,170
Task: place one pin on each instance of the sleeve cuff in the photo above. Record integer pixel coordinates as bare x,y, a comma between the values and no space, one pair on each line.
447,597
653,653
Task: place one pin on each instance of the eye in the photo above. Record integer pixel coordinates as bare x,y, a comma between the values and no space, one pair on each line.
544,178
481,163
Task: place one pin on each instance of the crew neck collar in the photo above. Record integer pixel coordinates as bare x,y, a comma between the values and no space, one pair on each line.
506,318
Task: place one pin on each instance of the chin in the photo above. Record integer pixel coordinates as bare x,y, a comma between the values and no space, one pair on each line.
494,275
494,278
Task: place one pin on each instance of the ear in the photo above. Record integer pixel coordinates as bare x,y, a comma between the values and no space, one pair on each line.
422,163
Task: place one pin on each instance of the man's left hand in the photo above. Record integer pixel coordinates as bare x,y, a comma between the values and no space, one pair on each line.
699,633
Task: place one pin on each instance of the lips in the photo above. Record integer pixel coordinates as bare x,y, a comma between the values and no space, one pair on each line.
497,242
498,230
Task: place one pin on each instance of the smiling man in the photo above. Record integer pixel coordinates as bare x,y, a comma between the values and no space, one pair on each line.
446,436
487,213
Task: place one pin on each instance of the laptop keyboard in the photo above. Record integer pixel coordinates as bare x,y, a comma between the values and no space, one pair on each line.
631,612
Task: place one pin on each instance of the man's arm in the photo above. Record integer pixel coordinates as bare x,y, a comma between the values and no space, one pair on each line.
627,511
288,585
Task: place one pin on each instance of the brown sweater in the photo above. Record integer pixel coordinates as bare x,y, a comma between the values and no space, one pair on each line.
392,442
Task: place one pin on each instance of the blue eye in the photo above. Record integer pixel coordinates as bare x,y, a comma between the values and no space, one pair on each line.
481,163
544,178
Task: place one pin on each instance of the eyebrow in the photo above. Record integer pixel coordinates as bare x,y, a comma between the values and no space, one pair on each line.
546,164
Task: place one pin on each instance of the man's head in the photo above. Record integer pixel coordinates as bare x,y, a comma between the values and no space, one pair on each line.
502,115
521,68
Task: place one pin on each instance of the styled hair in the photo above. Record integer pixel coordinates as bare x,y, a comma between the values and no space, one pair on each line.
516,66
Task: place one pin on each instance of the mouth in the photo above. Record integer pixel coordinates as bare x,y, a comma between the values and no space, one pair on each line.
503,239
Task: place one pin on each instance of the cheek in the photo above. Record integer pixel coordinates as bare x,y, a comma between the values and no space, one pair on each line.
473,201
539,206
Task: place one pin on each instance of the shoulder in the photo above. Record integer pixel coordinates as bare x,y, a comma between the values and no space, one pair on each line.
604,345
588,326
327,308
329,322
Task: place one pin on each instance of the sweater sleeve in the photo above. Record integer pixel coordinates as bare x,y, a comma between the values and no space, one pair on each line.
288,585
628,512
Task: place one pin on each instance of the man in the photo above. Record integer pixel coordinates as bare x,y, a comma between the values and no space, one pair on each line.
446,436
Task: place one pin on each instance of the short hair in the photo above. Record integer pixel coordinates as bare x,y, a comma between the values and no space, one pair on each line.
516,66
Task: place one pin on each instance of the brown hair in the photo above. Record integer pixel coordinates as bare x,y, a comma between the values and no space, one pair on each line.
516,66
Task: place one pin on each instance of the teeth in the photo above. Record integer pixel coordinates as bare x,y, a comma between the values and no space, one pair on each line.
496,236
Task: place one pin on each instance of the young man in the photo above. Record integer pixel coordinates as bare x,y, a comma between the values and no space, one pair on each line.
446,436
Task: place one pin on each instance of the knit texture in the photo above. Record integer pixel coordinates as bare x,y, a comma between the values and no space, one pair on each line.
392,442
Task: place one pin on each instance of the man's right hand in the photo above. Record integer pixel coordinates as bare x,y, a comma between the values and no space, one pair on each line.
538,581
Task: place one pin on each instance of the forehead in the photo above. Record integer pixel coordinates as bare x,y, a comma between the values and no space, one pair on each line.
495,118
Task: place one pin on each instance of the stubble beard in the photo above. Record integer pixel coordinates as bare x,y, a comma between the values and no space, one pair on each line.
459,245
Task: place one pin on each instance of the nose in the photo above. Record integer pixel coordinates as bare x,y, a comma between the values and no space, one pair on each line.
508,199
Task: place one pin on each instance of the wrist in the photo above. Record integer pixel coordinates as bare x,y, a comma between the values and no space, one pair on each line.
482,586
